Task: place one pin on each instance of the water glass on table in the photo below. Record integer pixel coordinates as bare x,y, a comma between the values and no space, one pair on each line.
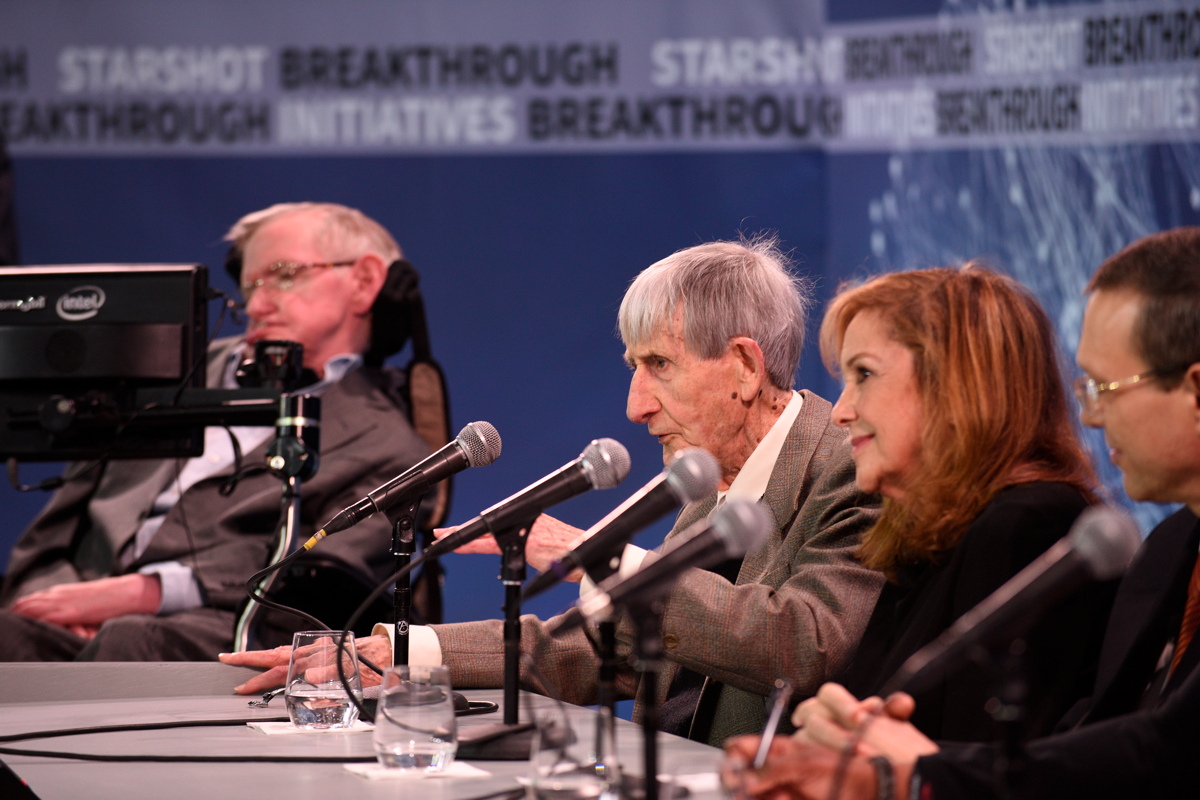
577,764
316,697
415,727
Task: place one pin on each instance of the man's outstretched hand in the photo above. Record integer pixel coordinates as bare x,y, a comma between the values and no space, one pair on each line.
275,661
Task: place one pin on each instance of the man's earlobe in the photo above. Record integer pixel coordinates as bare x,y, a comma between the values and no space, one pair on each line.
1191,388
370,275
753,367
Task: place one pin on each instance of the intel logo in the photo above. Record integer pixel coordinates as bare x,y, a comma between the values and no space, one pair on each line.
80,303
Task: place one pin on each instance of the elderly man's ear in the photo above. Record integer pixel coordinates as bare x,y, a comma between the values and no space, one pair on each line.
751,366
370,273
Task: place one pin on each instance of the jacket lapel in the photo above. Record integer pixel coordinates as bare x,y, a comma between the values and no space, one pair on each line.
1149,598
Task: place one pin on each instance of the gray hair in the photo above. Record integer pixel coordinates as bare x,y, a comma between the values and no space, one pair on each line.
724,289
343,232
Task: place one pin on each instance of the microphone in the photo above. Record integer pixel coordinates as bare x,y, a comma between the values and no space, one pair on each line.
692,475
476,445
603,464
734,529
1098,547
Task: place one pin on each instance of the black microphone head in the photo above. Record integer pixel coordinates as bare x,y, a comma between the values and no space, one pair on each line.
741,525
480,443
1106,540
606,462
693,474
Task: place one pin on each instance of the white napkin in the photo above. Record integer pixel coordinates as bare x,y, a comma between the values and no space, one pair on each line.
288,729
696,782
376,772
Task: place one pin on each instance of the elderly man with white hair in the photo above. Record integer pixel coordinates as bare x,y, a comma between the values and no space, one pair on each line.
147,560
713,336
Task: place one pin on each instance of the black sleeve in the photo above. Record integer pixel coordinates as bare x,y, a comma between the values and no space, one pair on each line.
1143,754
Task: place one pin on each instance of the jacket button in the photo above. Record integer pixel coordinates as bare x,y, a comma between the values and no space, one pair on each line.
670,641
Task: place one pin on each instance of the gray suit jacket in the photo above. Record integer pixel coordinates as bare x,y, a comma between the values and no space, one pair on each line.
365,440
797,610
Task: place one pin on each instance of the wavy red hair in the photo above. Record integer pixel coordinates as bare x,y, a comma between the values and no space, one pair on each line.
996,408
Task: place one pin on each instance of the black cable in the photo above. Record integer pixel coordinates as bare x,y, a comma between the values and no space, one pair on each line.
134,726
152,726
252,590
14,751
256,596
48,484
350,623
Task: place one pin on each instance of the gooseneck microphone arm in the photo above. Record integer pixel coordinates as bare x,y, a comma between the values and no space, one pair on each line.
692,475
292,457
476,445
603,464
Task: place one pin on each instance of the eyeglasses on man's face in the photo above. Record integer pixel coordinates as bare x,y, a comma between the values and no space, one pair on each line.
1089,390
282,276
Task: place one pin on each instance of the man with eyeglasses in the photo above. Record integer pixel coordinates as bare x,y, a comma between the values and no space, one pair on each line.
147,560
1137,736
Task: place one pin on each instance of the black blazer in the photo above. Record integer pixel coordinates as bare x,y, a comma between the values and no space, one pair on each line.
1016,527
1119,751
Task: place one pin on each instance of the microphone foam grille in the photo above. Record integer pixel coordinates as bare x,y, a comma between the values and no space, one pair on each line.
693,474
608,461
741,525
1106,539
480,442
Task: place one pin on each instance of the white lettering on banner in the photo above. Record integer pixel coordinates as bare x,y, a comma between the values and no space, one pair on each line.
735,62
168,69
896,114
1032,48
477,120
1143,104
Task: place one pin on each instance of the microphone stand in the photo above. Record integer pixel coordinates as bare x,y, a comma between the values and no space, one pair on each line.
512,575
404,545
647,623
1009,711
508,740
606,685
293,458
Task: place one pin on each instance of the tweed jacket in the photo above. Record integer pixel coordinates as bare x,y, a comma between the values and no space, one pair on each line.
364,440
797,609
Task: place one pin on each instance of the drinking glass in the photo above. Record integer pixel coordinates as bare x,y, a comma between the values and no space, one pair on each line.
315,695
415,726
578,764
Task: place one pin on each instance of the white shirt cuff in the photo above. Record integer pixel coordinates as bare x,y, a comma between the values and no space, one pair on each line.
424,649
180,589
631,561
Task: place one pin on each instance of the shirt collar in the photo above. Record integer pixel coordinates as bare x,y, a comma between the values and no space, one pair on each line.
751,481
335,369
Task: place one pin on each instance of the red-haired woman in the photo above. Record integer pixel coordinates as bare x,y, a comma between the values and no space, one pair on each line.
957,414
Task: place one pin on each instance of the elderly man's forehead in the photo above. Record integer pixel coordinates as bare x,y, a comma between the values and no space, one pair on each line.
664,333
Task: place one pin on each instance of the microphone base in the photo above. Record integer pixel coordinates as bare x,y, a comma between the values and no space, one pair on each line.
501,742
633,787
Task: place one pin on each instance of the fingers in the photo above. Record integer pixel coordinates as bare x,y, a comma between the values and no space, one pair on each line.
841,705
279,656
822,730
376,649
85,631
260,683
484,544
900,706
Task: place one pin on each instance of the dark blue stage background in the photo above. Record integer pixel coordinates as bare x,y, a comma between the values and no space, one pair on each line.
916,133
